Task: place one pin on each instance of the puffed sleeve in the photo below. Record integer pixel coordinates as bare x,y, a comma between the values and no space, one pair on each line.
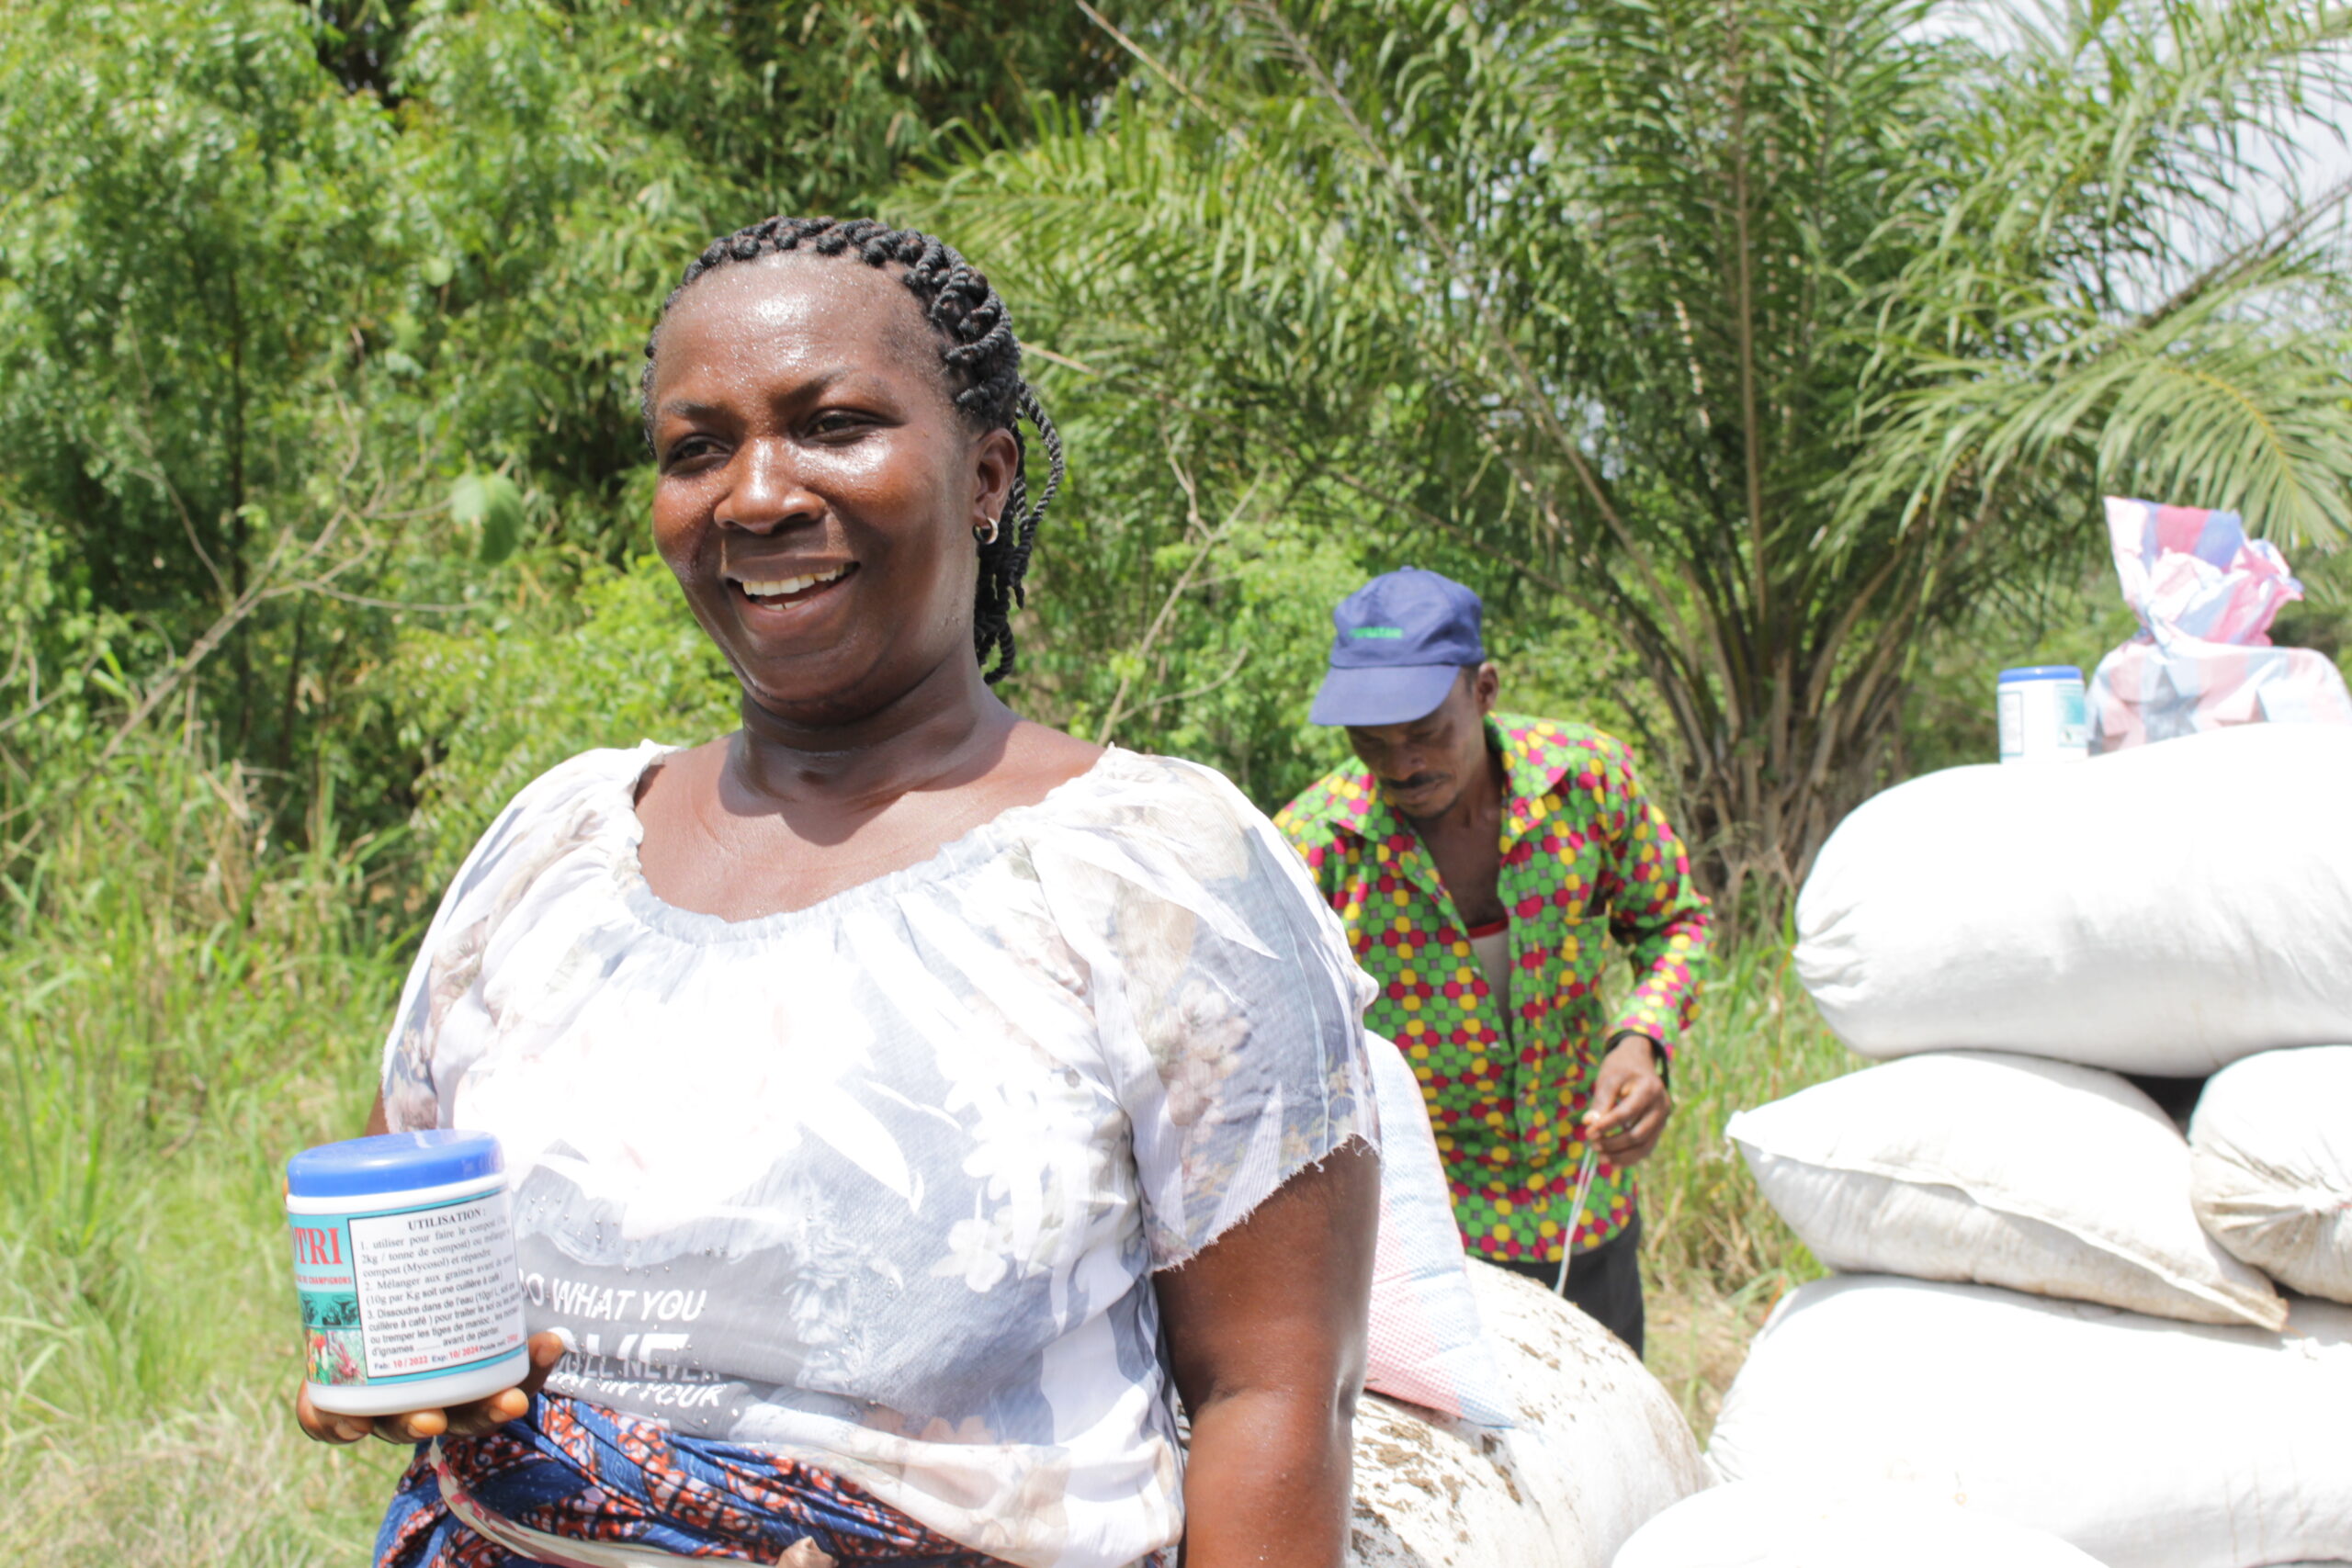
1228,1007
423,1053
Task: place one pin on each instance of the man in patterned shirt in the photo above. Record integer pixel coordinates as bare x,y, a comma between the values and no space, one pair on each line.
1480,859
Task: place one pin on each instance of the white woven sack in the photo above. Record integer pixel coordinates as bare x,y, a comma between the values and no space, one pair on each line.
1423,1343
2166,909
1596,1447
1782,1524
2271,1163
2001,1171
2145,1443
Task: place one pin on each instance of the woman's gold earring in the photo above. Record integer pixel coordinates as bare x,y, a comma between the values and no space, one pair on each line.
986,532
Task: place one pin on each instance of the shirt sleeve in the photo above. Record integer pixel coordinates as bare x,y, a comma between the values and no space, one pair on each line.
1653,911
549,816
1309,839
1228,1007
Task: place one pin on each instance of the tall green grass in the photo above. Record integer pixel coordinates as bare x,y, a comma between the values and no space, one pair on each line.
186,1004
1715,1257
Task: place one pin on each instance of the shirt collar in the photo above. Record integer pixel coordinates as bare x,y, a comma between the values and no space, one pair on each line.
1531,775
1534,767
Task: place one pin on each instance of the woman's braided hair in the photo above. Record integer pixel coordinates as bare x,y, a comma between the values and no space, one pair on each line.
983,364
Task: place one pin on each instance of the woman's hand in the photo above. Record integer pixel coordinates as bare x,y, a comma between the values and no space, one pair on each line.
1266,1334
456,1421
417,1425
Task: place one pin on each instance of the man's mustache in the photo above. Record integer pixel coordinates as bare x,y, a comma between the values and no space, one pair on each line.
1413,785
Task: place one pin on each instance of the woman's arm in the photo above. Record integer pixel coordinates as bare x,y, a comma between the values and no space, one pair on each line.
1266,1330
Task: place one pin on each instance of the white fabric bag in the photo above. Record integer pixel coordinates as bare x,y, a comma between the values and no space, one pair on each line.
1596,1447
1774,1524
1423,1343
2145,1443
2003,1171
2271,1162
2166,910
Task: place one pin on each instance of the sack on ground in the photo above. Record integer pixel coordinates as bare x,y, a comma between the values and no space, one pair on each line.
2167,909
1778,1524
2271,1166
1423,1341
2147,1443
2000,1169
1596,1448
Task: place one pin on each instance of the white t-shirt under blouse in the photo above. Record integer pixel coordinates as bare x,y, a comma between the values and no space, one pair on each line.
878,1185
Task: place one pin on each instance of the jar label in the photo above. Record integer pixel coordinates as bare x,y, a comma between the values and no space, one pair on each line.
2074,719
401,1294
2043,721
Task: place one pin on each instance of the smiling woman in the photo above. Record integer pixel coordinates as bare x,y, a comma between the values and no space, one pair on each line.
908,1101
969,344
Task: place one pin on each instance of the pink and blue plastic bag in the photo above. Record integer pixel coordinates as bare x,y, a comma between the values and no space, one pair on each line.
2205,594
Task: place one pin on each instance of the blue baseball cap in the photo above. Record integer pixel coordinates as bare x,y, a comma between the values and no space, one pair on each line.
1404,638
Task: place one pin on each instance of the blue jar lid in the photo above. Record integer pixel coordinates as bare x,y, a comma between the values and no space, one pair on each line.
2039,672
392,1162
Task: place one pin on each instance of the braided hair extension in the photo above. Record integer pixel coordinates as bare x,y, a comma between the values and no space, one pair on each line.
983,363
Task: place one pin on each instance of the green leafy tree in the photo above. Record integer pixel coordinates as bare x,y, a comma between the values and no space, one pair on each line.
195,226
1767,342
319,323
571,159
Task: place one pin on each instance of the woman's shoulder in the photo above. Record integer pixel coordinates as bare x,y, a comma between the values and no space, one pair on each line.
1161,824
1040,753
598,776
573,803
1144,792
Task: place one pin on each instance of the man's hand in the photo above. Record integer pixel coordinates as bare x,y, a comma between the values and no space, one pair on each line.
1630,1104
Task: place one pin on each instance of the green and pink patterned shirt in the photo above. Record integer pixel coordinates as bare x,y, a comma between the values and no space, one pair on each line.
1585,857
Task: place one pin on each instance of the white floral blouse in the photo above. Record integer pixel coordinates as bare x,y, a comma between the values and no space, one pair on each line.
878,1185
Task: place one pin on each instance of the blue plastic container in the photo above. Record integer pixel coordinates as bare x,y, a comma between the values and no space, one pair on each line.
404,1265
2043,716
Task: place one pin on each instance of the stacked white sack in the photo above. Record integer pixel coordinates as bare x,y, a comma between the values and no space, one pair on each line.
2147,1443
1596,1448
2272,1164
2166,910
1767,1524
2001,1171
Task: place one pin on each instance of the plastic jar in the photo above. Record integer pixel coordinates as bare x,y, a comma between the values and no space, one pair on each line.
404,1262
2043,718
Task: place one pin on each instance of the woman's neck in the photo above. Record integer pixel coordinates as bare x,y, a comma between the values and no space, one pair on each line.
946,728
